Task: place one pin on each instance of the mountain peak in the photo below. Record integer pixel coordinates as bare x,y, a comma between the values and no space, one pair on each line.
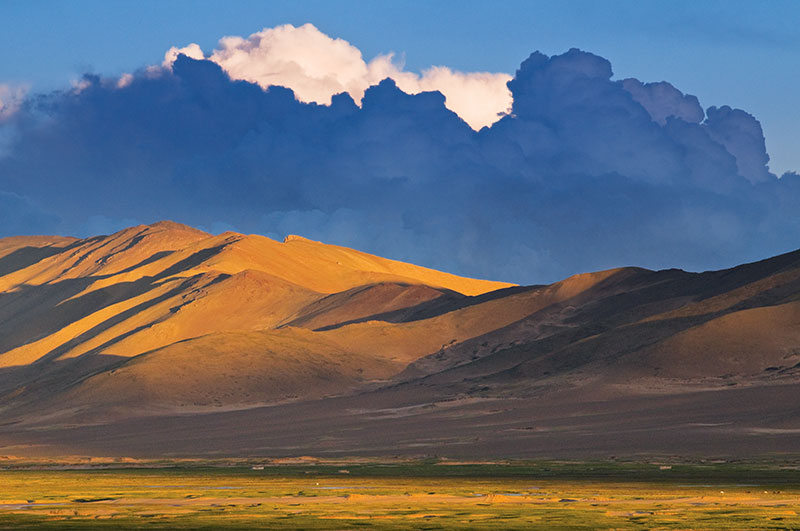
296,238
166,224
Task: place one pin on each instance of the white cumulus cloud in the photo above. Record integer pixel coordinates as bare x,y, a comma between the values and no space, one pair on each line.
193,50
316,66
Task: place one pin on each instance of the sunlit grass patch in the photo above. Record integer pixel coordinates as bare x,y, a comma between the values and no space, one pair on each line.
534,496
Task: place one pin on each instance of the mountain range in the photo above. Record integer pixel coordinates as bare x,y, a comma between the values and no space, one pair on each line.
163,341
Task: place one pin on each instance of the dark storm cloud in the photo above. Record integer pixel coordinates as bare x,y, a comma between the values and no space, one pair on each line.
584,173
662,100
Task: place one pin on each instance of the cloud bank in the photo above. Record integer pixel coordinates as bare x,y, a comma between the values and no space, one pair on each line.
316,67
585,172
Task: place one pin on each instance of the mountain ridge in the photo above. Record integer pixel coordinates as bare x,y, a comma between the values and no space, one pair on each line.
167,321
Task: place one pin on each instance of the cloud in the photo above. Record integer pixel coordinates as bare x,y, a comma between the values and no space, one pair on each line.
479,98
11,97
316,67
124,80
662,100
584,173
193,50
742,136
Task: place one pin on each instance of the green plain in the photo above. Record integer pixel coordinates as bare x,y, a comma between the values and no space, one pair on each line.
427,494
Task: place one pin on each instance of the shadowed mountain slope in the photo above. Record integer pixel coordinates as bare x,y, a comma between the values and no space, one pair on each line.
165,320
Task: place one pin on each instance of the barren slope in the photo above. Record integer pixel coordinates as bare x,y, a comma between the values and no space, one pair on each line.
178,300
164,320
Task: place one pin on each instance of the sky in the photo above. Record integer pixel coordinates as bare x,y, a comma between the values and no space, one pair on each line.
585,170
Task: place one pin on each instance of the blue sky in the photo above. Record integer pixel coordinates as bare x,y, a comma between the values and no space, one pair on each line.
740,53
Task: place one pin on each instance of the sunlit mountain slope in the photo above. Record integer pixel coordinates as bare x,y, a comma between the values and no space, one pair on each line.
166,321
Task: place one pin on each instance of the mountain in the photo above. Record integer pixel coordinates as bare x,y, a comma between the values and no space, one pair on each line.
164,340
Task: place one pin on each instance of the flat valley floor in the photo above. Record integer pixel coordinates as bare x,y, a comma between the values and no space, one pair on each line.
406,495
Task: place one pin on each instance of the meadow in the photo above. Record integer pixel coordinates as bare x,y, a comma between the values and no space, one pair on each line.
430,494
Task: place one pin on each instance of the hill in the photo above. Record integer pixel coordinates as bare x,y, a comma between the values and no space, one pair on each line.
165,340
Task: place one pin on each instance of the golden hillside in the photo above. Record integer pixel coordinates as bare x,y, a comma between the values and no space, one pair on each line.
150,286
208,311
164,320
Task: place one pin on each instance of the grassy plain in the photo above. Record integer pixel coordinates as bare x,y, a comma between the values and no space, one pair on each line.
401,495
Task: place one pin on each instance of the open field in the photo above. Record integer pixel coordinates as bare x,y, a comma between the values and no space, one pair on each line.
410,495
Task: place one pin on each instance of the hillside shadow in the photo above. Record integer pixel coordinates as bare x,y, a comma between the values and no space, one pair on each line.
125,315
42,382
32,312
610,328
449,301
25,257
